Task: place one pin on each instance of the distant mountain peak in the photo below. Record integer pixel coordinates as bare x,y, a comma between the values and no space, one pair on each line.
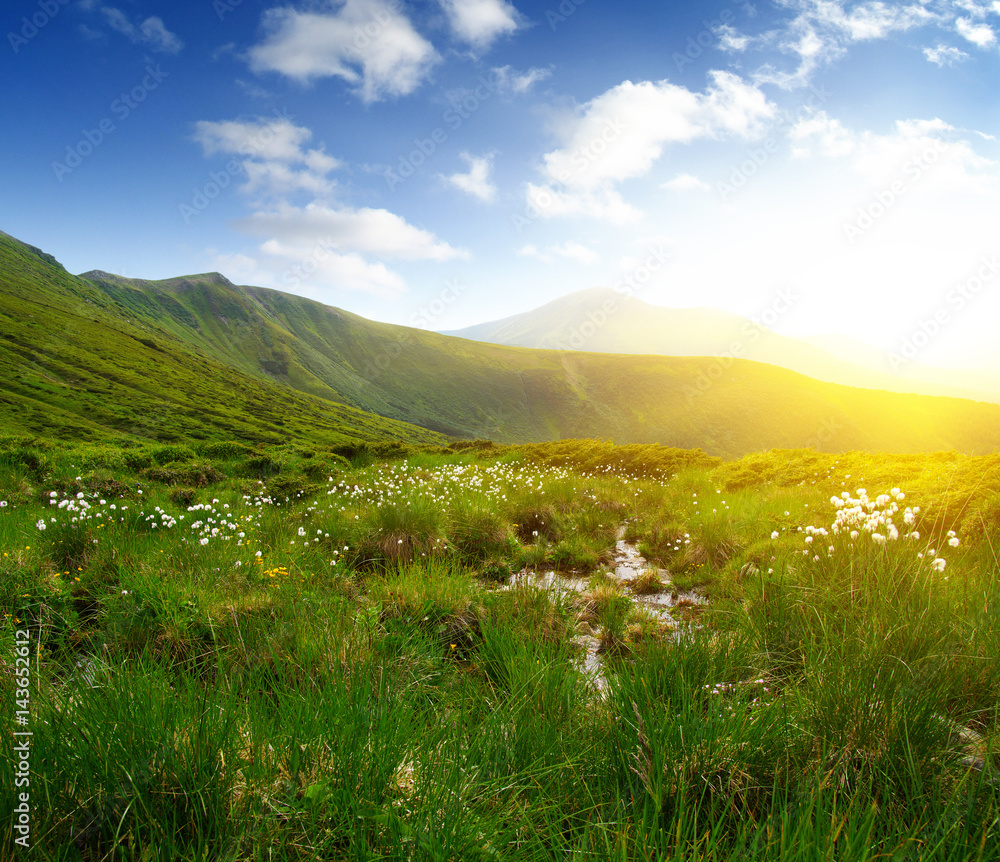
185,281
106,277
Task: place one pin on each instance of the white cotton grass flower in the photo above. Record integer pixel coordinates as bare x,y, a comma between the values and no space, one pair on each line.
775,534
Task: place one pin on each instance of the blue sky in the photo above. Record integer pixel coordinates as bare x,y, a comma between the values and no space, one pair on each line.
825,166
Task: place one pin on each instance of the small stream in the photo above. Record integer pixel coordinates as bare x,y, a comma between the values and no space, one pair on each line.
628,565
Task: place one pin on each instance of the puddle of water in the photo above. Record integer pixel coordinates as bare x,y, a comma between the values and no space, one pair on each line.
547,581
628,565
590,662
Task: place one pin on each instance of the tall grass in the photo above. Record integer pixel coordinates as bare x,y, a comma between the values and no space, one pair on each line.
324,676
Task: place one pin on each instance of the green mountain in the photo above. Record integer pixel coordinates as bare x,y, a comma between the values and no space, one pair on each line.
199,357
75,364
605,321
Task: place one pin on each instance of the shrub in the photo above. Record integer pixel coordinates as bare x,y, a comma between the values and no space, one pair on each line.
261,466
199,475
105,485
225,450
35,464
363,454
172,454
318,469
287,487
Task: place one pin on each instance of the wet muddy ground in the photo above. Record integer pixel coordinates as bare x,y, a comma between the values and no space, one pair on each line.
628,565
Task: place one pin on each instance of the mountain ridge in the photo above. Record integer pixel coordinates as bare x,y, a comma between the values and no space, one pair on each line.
196,356
606,321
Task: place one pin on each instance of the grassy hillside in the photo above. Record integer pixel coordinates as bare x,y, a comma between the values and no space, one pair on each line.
198,356
75,364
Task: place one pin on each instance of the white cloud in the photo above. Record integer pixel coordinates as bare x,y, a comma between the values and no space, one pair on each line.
311,269
159,37
945,55
685,182
477,181
872,20
571,250
480,22
828,134
370,44
272,148
319,246
823,30
576,251
317,249
281,180
731,39
605,203
622,132
980,35
90,34
265,139
117,21
925,154
368,231
150,32
519,82
976,10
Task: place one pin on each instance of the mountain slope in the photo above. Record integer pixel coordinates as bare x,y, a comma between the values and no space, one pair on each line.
199,356
72,365
605,321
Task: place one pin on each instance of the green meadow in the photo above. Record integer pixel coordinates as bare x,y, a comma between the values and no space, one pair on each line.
307,652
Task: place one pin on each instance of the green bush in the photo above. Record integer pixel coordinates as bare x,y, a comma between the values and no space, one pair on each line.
138,459
198,475
224,450
261,466
172,454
